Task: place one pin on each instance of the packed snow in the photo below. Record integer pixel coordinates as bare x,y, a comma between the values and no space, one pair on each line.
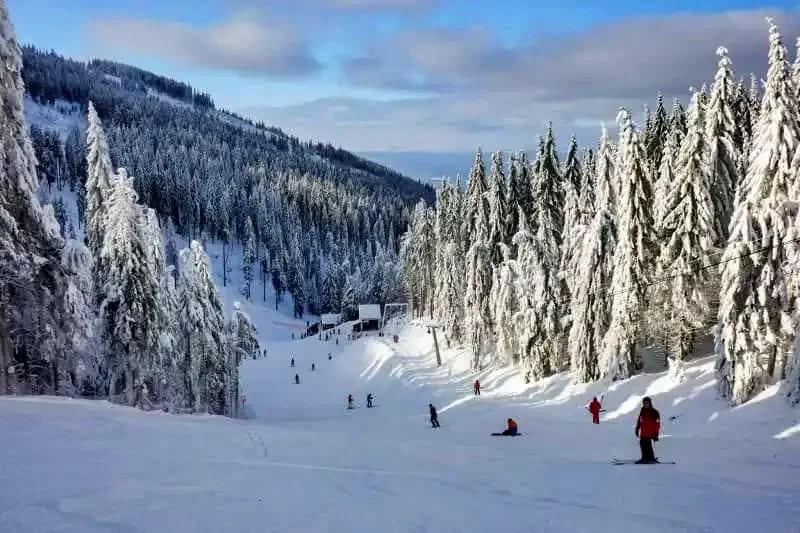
304,462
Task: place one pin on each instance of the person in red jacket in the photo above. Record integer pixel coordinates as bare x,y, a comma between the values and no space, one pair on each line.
476,388
594,408
648,426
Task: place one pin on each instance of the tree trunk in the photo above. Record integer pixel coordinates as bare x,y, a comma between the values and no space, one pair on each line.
5,360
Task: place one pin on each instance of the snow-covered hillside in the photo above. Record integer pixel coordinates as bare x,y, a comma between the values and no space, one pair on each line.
304,463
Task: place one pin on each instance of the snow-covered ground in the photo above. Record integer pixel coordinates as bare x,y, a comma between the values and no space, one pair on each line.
304,463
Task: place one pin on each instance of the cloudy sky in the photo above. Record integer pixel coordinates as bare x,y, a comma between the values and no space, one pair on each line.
420,76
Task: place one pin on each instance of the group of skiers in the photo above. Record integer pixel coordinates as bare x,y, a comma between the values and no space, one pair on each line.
647,430
370,401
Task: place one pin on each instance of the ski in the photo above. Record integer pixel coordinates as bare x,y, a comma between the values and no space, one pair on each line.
501,435
635,462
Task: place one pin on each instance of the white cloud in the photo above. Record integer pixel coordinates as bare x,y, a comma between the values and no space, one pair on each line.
248,43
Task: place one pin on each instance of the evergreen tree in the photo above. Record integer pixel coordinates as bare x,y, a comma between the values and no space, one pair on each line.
248,257
205,363
242,344
657,135
572,209
296,279
723,155
477,294
606,181
543,289
476,189
632,256
506,307
129,307
591,299
755,329
99,177
498,209
667,174
688,233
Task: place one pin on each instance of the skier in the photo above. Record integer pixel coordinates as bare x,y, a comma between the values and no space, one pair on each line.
594,408
313,367
330,357
369,400
296,379
648,426
349,401
510,431
476,388
292,363
434,416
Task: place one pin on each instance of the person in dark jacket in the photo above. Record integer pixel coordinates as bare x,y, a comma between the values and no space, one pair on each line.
648,426
512,429
434,416
296,379
370,397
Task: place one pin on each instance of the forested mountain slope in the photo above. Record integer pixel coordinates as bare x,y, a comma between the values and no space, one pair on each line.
306,211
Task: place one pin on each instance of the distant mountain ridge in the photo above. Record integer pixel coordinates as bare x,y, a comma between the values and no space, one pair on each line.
50,77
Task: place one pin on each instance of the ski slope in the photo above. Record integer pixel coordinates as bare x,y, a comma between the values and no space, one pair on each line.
305,463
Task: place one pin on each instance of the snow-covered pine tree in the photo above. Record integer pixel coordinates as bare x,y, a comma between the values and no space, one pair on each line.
506,308
606,187
450,293
743,133
31,281
756,329
350,299
99,177
476,188
82,361
512,199
723,155
149,231
296,283
496,197
677,120
417,251
203,326
664,179
539,261
633,255
478,290
688,236
524,195
129,308
242,344
572,209
587,198
591,299
657,135
248,257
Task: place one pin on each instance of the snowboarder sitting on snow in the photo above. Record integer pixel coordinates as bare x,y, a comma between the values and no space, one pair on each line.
369,400
349,401
594,408
648,426
512,428
434,416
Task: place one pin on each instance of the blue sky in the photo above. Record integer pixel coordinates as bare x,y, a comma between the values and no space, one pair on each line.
419,75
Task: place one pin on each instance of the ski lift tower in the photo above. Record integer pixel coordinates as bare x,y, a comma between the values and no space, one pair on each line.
432,326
